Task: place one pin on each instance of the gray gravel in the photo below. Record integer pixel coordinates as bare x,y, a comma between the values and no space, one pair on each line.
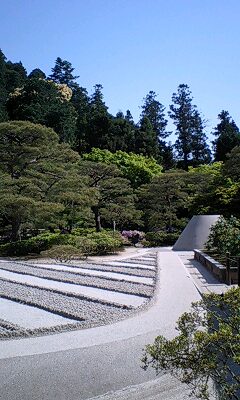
139,289
127,270
138,261
88,271
86,312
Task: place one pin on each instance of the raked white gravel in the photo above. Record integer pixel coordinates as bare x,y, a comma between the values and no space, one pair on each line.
108,295
29,317
114,275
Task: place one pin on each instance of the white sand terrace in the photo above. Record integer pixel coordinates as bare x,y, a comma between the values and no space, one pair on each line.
29,317
108,295
110,274
143,258
132,265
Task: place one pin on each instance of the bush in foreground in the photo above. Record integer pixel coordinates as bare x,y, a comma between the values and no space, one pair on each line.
63,253
206,349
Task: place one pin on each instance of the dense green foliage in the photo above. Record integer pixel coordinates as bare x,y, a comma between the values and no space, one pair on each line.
67,163
191,142
84,121
164,202
55,245
206,347
227,136
135,167
225,237
115,200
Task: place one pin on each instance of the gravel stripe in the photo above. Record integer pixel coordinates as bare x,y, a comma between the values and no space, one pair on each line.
29,317
134,288
103,274
128,270
89,313
133,265
87,291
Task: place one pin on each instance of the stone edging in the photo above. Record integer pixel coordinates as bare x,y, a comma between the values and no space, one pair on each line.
216,268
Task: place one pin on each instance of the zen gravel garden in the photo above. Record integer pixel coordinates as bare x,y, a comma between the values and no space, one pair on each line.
41,298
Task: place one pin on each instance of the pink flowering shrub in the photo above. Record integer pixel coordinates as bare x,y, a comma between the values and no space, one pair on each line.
133,236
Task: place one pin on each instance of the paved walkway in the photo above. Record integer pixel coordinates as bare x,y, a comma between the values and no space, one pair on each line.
203,279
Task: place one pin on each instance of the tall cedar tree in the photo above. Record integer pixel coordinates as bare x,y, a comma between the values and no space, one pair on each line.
81,103
122,134
189,126
228,136
154,111
146,139
62,73
98,121
201,153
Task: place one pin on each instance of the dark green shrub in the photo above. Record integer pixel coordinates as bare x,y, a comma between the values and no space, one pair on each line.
161,238
91,243
85,245
82,231
225,237
33,245
97,243
106,242
63,253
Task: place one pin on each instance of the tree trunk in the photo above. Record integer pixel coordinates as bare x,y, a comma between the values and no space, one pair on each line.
185,160
15,234
97,218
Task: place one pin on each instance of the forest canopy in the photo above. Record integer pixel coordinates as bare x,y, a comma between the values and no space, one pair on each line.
68,163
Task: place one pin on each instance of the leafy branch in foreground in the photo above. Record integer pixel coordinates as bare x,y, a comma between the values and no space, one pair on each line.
206,350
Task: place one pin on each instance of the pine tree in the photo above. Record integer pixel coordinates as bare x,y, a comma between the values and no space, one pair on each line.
201,153
16,76
98,122
81,103
154,111
37,74
146,139
228,136
62,73
191,142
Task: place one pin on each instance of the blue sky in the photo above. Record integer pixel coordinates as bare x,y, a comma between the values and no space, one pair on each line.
133,46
